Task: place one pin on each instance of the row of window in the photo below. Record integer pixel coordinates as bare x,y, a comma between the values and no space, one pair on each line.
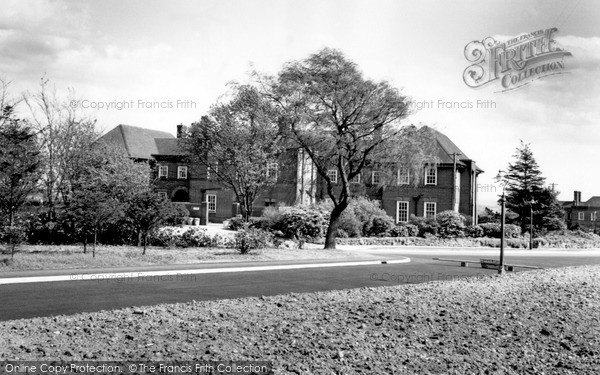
403,210
581,216
402,177
182,171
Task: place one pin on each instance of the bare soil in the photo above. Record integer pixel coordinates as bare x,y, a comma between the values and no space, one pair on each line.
538,322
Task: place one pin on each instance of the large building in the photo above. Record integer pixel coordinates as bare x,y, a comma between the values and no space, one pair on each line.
451,184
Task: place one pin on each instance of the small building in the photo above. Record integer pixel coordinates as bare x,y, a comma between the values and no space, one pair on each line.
582,215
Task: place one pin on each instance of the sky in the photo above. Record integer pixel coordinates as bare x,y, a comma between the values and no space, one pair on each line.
157,64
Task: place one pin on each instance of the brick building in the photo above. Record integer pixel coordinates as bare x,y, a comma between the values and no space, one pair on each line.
582,214
449,185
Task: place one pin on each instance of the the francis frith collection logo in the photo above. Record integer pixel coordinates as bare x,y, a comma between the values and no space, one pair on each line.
514,63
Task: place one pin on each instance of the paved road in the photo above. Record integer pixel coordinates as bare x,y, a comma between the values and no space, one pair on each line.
68,297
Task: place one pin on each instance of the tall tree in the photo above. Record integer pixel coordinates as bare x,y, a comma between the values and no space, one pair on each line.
237,142
65,136
525,191
19,163
343,121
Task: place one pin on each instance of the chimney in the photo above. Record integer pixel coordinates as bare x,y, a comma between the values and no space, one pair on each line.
576,198
180,130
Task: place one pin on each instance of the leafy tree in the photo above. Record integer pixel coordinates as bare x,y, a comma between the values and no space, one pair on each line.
101,193
238,141
525,184
344,122
19,163
146,211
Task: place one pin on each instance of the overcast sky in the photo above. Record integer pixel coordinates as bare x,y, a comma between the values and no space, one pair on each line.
183,54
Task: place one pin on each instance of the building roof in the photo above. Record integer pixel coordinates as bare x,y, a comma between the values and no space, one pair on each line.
137,142
447,148
593,201
168,146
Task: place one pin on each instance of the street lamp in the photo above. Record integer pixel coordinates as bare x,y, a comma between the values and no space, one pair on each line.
500,179
531,203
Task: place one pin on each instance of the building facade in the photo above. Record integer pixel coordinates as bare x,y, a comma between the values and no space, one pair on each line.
582,215
450,184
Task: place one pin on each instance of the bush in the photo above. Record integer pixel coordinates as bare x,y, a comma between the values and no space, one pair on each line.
194,237
236,223
349,224
425,225
493,230
379,225
301,223
451,224
475,231
250,239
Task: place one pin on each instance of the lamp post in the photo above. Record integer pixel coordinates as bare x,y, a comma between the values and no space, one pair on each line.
500,179
531,203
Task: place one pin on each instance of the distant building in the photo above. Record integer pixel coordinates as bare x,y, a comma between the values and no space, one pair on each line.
582,214
451,184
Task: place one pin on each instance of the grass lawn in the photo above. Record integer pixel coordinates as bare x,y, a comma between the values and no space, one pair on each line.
32,257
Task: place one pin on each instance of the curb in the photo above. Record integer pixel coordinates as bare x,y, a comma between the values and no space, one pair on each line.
132,274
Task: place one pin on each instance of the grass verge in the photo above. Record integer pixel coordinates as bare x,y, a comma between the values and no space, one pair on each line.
32,257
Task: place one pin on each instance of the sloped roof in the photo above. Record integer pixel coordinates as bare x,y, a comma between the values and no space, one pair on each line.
446,149
168,146
593,201
137,142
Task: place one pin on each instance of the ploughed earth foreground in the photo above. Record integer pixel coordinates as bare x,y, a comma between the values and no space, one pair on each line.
536,322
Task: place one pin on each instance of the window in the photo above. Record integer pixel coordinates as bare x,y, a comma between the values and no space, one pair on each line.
593,216
431,176
581,216
403,176
401,211
182,173
332,174
430,210
355,179
163,171
162,194
212,202
272,170
270,203
375,177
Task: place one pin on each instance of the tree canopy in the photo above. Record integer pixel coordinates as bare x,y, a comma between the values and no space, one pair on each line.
525,191
344,122
237,141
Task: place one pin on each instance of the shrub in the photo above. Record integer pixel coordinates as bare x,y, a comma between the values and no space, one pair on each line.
380,225
350,224
425,225
493,230
475,231
399,230
451,224
301,223
194,237
250,239
236,223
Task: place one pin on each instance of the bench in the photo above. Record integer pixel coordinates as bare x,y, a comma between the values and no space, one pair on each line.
486,263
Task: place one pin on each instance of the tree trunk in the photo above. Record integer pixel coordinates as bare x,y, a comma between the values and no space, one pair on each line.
334,219
94,246
85,241
145,241
140,239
